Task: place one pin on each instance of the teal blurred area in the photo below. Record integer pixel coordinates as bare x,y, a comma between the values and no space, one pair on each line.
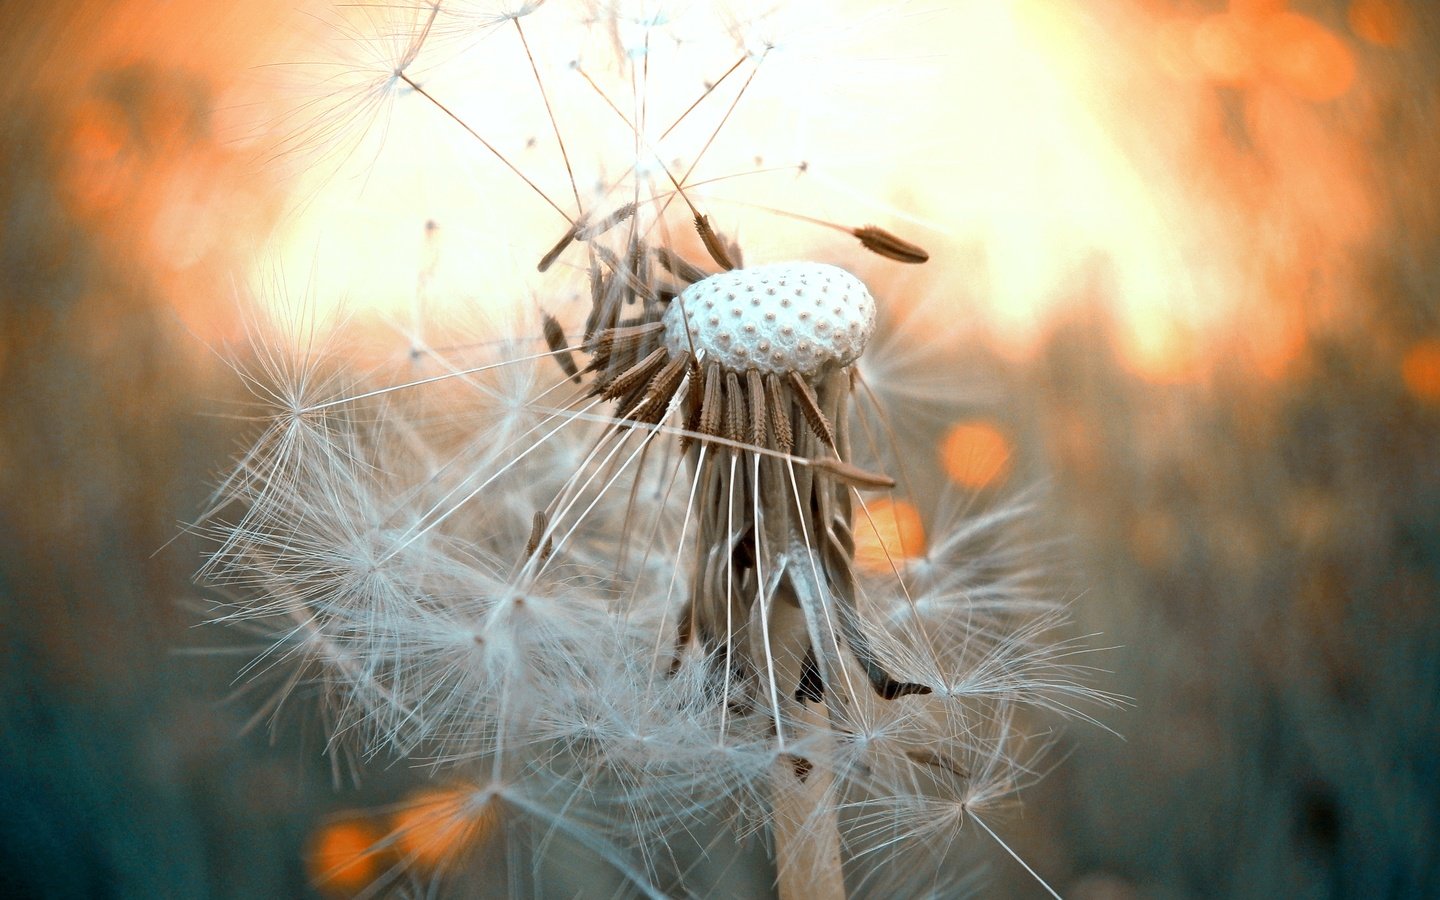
124,769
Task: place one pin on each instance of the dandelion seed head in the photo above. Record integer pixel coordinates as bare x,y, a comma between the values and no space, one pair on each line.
616,567
759,322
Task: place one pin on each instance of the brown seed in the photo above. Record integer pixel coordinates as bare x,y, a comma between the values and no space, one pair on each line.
712,409
779,413
632,280
599,290
878,240
661,390
555,340
716,247
734,409
694,403
618,354
604,361
678,266
800,766
630,337
636,376
549,258
755,383
627,404
854,475
810,409
881,681
537,531
589,232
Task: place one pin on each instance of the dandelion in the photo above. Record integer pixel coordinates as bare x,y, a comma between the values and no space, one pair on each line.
603,579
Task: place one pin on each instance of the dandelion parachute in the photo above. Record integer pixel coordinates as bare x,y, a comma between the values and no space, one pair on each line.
601,572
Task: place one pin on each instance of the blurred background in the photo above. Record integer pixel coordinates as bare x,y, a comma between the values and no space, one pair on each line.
1185,275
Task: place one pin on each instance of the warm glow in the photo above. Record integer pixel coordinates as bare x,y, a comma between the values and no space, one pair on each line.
1170,163
1246,48
438,825
1306,58
1421,370
342,856
1225,46
1022,165
1160,348
1381,22
140,166
887,532
975,454
94,166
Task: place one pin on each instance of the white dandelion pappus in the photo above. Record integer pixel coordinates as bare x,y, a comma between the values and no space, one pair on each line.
619,595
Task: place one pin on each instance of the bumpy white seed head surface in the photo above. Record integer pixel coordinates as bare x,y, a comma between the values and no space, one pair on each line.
789,317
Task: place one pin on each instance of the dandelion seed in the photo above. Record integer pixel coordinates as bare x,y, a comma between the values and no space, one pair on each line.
621,571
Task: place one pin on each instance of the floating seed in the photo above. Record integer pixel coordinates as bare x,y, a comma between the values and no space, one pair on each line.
555,340
878,240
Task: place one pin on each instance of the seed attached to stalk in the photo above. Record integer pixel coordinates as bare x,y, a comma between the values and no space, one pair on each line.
878,240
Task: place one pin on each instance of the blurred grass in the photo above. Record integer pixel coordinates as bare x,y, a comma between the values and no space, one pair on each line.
123,773
1269,562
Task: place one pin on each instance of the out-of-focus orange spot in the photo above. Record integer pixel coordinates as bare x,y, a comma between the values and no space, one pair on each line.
975,454
95,171
1381,22
1306,58
1224,46
1256,8
1421,370
439,824
342,856
891,533
97,137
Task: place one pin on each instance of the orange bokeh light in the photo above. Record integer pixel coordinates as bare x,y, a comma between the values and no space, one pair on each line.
975,454
1420,369
1261,43
1381,22
438,824
1306,58
343,857
891,533
95,172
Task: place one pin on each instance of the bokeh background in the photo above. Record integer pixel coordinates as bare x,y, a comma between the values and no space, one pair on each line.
1185,276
